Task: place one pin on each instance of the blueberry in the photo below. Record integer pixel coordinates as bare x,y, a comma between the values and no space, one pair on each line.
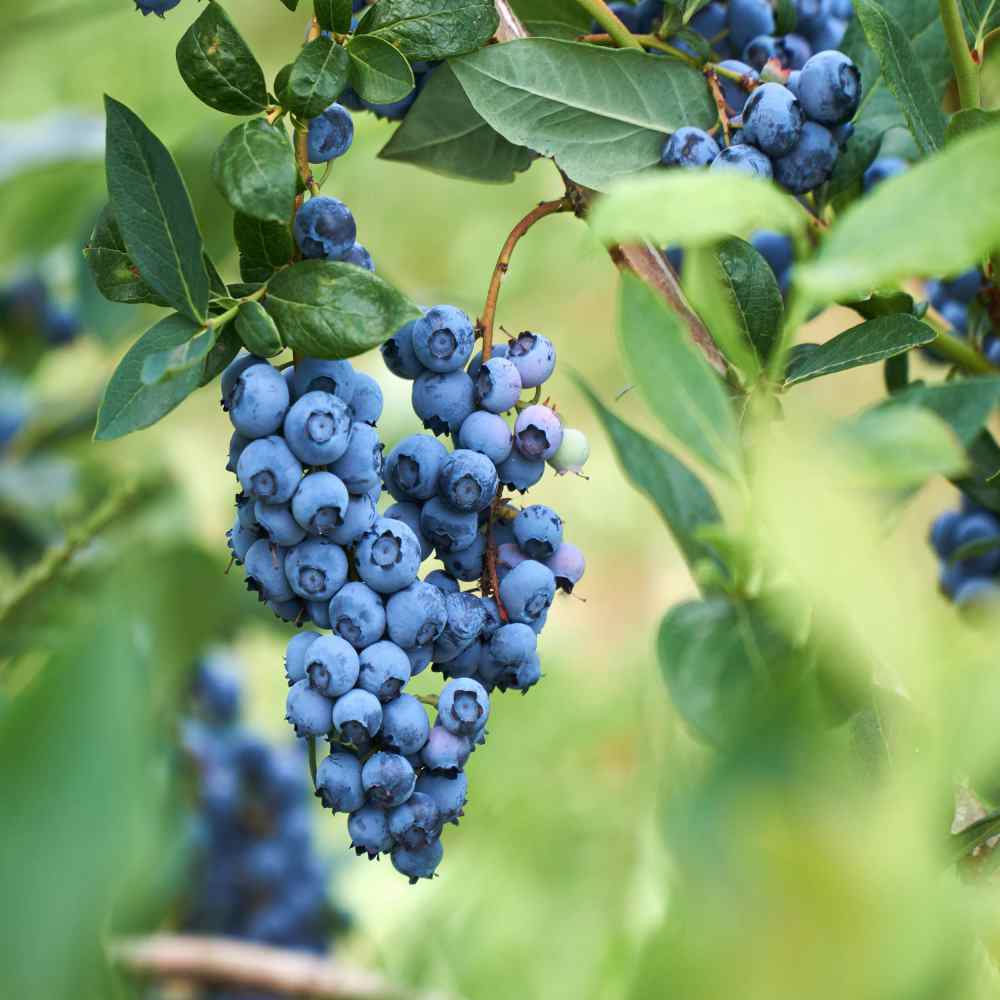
746,159
240,538
339,782
734,92
357,717
367,400
405,727
991,350
793,51
465,664
330,134
466,617
388,779
449,793
792,81
568,566
267,470
443,339
539,531
321,375
488,434
416,616
357,614
442,401
413,467
318,428
537,433
956,315
979,528
759,51
320,503
773,119
468,481
416,865
295,656
525,676
511,646
316,569
288,611
527,591
498,385
445,751
572,454
446,528
276,521
217,687
318,613
420,658
398,355
158,7
520,473
626,13
265,572
689,147
443,581
385,669
509,555
844,9
324,228
779,252
467,564
369,831
309,712
415,824
830,88
360,466
810,163
747,19
388,556
534,356
358,519
811,15
709,22
499,351
979,595
492,620
258,401
965,287
409,514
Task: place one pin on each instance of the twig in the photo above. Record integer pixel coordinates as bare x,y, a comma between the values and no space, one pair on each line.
302,135
966,70
610,22
720,101
192,959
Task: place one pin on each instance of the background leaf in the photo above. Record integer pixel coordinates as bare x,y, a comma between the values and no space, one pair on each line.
970,120
431,29
116,276
154,213
443,132
254,168
169,364
602,113
331,310
564,19
379,71
218,66
334,15
965,405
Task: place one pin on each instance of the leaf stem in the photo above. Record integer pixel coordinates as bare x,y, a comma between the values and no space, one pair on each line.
966,70
655,42
609,21
223,318
954,348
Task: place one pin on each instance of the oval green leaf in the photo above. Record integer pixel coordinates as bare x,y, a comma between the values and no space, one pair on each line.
431,29
258,331
379,71
254,168
263,247
316,79
116,276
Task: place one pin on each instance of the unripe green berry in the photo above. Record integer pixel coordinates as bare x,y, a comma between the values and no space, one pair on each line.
573,452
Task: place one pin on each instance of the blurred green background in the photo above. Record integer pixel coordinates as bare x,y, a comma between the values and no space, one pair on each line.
558,882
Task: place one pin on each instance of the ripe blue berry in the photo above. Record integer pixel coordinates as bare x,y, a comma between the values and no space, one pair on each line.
810,163
412,468
468,481
467,564
357,614
330,134
357,717
295,656
773,119
568,566
520,473
415,824
316,569
359,256
267,470
443,581
778,250
416,865
359,517
388,779
320,503
463,706
811,15
449,794
537,433
446,528
538,531
339,783
443,339
265,572
965,287
239,539
746,159
409,514
980,527
367,400
388,556
385,669
734,93
466,617
360,466
321,375
747,19
498,385
324,228
445,751
830,88
759,51
318,428
309,712
397,353
420,658
793,51
527,591
416,616
465,664
369,831
258,401
499,351
689,147
276,521
442,401
488,434
332,666
158,7
405,726
512,645
534,356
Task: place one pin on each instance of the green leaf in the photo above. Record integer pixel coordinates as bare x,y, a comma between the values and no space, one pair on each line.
970,120
316,79
980,481
154,213
431,29
116,277
964,405
264,247
602,113
180,360
565,19
442,132
680,496
379,72
226,348
694,208
884,239
218,66
257,330
255,170
753,290
333,15
332,310
129,404
721,659
676,382
903,75
981,17
856,157
865,344
291,4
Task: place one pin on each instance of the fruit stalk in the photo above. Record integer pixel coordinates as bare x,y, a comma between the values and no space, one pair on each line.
966,71
607,19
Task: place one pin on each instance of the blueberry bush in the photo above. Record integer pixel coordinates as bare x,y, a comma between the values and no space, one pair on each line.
801,197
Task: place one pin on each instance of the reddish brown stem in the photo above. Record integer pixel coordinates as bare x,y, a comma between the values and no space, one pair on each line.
720,101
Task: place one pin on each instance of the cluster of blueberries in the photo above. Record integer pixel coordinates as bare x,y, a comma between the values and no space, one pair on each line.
967,543
255,873
790,108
